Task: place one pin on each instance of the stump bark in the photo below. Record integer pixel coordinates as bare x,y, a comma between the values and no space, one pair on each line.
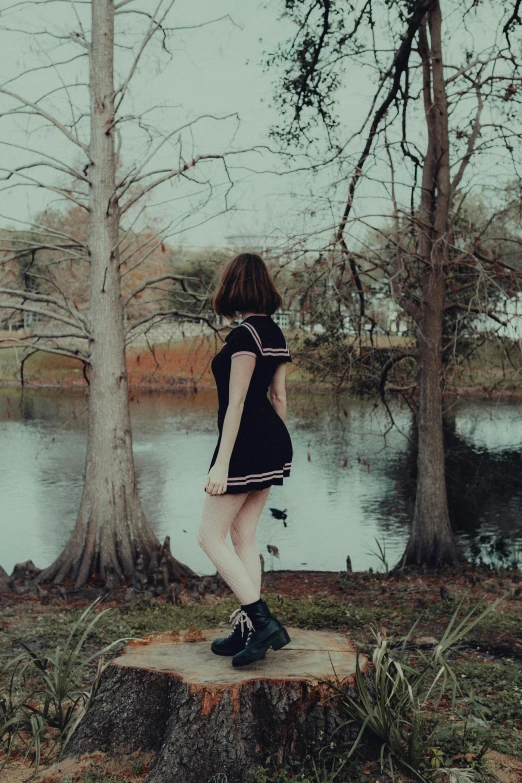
168,693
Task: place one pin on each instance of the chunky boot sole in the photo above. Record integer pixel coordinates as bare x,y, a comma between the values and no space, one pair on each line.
278,640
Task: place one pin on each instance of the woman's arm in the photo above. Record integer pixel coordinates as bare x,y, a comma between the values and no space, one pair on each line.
278,391
242,367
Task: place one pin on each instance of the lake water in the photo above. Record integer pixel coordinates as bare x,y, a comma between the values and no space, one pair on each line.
352,476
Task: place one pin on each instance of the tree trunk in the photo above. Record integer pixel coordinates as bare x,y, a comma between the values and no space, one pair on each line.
111,531
431,541
204,719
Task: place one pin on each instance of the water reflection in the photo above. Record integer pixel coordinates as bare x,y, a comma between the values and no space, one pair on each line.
352,477
483,470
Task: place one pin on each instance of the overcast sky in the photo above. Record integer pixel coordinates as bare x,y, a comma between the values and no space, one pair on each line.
215,69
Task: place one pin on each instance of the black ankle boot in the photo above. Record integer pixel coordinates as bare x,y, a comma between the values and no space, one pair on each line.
266,632
235,641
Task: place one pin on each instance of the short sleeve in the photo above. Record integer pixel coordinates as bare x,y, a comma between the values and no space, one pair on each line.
281,354
280,350
242,341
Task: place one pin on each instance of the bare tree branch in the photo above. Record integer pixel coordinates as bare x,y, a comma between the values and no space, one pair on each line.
56,164
154,26
66,193
398,67
44,298
171,173
132,177
478,310
42,113
9,342
53,232
472,139
44,313
512,21
161,315
152,281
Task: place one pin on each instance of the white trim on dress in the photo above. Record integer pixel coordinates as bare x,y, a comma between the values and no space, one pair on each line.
280,473
265,351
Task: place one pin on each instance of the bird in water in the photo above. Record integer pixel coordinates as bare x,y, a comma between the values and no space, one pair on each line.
274,551
278,514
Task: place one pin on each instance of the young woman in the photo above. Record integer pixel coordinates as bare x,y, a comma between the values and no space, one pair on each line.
253,451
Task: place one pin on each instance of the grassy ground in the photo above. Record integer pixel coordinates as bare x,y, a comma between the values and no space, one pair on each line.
488,665
495,368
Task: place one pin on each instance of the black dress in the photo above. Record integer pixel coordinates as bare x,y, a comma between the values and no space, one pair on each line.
262,453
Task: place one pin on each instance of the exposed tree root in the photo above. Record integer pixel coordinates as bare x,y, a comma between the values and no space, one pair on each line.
123,554
431,554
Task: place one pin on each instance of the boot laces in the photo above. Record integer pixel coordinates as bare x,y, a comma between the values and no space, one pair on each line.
240,616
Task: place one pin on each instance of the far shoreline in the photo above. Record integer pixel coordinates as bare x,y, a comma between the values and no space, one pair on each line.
468,393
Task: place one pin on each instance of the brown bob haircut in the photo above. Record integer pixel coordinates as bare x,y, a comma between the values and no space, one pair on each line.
246,285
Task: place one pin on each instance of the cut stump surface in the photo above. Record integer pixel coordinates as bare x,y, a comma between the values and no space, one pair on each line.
204,718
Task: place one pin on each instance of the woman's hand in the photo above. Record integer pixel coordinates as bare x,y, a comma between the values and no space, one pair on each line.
217,479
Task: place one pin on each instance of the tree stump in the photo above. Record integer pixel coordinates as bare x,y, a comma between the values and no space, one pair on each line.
170,694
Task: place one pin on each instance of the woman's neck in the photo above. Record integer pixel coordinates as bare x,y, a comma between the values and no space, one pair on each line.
247,314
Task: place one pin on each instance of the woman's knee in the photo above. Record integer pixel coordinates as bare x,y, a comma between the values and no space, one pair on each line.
202,539
208,538
242,538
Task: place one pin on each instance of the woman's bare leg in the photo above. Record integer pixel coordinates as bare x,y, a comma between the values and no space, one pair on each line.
243,533
219,512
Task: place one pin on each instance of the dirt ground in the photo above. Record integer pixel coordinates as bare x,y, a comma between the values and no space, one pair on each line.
488,662
177,365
